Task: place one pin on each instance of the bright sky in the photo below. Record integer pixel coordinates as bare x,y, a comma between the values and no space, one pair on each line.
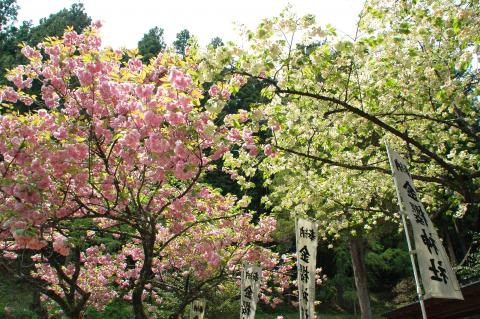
125,22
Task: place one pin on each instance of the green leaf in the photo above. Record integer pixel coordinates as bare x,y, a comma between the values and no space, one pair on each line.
404,28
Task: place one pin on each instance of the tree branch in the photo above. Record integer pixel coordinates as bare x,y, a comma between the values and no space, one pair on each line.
437,180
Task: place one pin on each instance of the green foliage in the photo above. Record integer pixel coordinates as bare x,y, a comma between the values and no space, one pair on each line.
10,39
285,234
216,42
181,42
340,287
470,269
387,266
409,77
293,314
118,309
246,98
335,100
56,23
15,298
404,292
219,179
224,302
8,12
151,44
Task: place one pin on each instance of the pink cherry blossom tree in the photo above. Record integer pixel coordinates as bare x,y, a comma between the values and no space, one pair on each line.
118,150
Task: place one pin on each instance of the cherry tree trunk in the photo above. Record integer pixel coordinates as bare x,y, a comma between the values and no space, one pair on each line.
360,274
451,249
36,305
145,275
74,314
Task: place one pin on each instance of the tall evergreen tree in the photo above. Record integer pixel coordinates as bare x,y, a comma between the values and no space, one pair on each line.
216,42
180,44
151,44
56,23
8,12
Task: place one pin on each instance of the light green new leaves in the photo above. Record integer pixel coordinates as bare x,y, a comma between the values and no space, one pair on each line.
409,77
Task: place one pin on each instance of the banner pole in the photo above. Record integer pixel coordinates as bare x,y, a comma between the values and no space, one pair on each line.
411,252
298,267
415,272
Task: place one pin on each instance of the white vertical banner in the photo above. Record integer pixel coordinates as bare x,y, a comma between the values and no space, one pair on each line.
197,309
306,237
438,278
250,288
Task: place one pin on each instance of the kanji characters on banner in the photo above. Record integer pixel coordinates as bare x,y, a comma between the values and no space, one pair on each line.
250,287
306,236
438,278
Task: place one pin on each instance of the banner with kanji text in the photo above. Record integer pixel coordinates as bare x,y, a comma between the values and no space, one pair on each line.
306,238
438,278
250,288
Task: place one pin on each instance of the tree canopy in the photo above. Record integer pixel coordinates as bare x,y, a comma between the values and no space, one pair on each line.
54,25
335,100
151,44
8,12
117,156
181,42
409,76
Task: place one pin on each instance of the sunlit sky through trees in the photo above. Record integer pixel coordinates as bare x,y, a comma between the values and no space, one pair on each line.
125,22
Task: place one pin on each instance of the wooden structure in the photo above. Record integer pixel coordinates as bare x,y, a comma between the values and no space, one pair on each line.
444,308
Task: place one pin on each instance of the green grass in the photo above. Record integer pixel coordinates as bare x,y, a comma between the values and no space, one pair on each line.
289,312
294,315
15,298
